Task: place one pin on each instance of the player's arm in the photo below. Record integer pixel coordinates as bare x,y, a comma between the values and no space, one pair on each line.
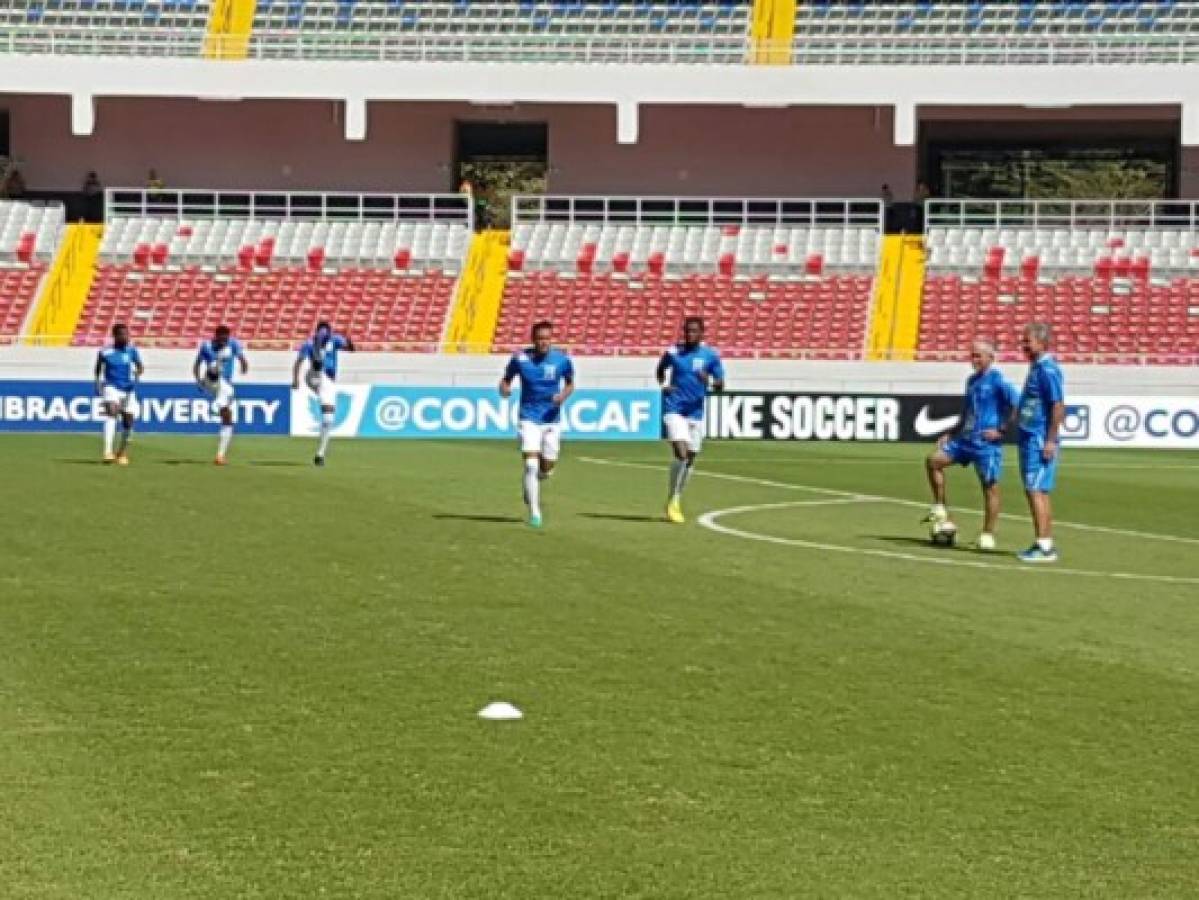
198,368
242,362
568,384
346,344
98,374
297,366
511,372
664,366
1057,413
716,376
138,369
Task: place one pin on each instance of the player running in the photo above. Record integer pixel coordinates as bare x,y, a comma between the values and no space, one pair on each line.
213,370
694,369
988,408
320,352
1042,410
118,369
547,379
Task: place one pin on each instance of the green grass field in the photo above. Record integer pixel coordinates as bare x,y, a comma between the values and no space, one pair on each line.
262,681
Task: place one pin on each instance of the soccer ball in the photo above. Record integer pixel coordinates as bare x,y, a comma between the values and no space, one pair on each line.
943,534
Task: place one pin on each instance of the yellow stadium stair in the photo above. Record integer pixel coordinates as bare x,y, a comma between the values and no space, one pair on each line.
65,289
772,30
476,312
229,29
898,295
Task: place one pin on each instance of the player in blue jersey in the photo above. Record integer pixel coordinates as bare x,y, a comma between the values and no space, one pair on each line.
547,379
216,363
686,372
1042,410
118,369
319,352
988,409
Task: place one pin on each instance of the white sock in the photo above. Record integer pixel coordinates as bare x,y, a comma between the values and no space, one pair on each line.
940,510
1045,544
110,434
226,437
533,487
688,468
326,429
126,434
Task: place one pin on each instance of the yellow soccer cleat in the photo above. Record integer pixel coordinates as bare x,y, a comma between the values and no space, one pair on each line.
122,459
221,461
674,511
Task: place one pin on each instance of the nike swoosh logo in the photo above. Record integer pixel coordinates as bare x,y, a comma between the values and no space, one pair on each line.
926,426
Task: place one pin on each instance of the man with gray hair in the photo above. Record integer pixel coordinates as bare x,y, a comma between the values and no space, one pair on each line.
1042,409
988,408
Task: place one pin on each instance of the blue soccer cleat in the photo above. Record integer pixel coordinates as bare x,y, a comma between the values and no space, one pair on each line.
1035,554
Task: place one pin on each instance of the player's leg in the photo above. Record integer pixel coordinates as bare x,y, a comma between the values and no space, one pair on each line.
935,464
111,414
326,393
1039,478
223,401
530,451
990,470
678,435
551,448
129,409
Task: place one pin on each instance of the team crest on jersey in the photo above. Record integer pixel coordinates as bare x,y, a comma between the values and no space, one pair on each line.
697,365
549,371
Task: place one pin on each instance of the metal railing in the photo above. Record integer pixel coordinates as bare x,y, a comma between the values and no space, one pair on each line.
1062,214
699,211
885,49
681,49
198,203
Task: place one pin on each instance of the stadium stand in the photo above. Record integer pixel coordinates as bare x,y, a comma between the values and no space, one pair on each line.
29,237
140,27
270,267
1065,31
1118,280
529,29
617,275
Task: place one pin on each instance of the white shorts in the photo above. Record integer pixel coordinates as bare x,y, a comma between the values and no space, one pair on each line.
125,400
544,440
221,394
681,430
323,386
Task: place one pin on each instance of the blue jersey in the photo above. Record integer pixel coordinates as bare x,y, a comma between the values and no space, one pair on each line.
691,370
1042,389
223,359
989,401
322,356
117,366
541,378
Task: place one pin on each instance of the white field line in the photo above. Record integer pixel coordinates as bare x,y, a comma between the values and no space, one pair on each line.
709,520
832,492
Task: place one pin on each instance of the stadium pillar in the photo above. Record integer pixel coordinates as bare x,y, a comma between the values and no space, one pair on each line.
898,297
628,122
476,311
772,30
83,115
65,288
229,28
355,122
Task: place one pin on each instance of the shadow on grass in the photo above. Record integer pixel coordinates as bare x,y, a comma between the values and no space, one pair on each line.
490,520
279,464
624,517
926,544
79,462
184,462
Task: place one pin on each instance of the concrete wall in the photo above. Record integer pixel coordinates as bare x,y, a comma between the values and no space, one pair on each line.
765,375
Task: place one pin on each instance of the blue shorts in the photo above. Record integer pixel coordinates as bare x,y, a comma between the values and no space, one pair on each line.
1039,476
987,459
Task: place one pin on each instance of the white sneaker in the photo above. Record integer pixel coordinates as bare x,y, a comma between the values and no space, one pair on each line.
986,541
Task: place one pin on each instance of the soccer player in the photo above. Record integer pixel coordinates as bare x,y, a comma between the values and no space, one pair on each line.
1042,410
693,368
118,368
213,370
547,379
320,352
988,408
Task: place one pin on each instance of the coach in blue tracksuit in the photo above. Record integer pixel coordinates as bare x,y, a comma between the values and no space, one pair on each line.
1042,409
